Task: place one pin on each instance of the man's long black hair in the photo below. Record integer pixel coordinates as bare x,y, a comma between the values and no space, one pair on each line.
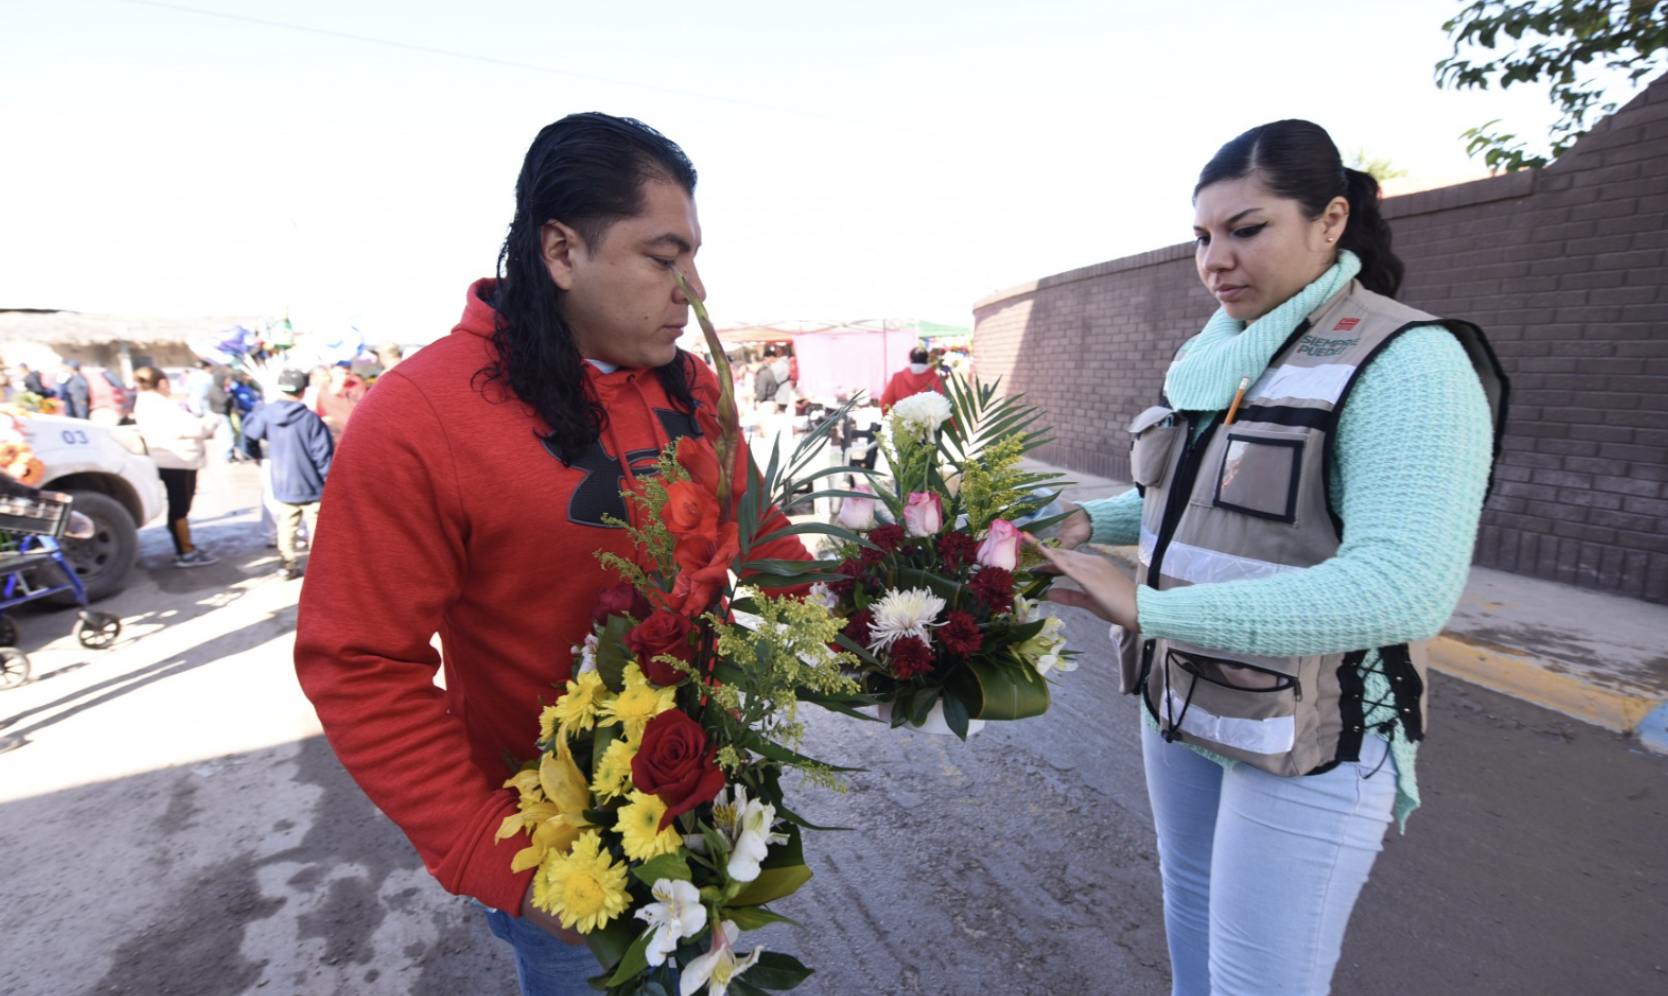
586,171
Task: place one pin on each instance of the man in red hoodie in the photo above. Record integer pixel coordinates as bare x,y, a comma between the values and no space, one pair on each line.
473,497
917,378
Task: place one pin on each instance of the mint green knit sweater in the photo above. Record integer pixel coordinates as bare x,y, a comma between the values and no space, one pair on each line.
1413,450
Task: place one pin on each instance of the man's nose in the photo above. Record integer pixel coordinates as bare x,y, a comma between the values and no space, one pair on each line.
692,277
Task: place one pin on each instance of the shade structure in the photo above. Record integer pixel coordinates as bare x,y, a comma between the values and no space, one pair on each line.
837,359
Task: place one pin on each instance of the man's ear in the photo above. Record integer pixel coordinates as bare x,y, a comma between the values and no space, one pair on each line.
558,245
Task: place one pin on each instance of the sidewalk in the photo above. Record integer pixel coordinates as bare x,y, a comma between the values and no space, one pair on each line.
1596,657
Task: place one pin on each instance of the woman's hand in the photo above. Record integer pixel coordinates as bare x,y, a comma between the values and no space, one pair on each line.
1107,592
1076,529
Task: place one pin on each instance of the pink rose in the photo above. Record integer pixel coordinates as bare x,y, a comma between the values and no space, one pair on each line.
923,514
858,514
1001,546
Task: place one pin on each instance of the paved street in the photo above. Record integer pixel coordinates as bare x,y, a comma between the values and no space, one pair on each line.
173,823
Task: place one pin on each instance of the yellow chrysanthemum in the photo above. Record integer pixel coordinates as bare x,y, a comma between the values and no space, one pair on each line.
577,710
639,828
547,724
636,704
612,774
585,888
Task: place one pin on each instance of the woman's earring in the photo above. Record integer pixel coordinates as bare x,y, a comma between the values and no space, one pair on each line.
1332,238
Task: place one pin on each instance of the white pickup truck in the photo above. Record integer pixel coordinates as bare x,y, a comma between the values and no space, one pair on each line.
114,483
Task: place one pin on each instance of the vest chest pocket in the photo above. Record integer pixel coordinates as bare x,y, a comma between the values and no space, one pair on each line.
1153,438
1259,475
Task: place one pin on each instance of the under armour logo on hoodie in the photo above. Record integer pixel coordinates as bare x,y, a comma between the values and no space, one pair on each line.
598,492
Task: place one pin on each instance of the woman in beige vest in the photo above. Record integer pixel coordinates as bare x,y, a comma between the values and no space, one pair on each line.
1293,549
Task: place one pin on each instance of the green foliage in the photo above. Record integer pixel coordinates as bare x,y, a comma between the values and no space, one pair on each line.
1379,168
1570,39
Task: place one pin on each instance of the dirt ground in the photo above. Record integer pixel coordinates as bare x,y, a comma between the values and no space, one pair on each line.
172,822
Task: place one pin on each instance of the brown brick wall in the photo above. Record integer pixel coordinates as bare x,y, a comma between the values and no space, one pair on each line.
1565,268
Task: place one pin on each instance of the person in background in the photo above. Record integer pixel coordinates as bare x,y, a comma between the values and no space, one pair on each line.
765,383
917,378
32,382
199,384
338,398
298,451
1307,502
73,389
475,496
175,437
389,355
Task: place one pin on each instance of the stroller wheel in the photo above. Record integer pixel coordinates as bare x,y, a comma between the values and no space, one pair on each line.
8,632
14,667
97,630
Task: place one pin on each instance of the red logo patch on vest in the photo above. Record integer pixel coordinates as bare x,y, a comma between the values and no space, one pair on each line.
1345,324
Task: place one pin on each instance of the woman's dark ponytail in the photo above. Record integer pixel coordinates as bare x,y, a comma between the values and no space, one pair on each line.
1298,160
1368,236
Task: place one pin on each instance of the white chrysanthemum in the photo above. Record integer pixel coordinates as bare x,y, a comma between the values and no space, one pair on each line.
911,612
922,414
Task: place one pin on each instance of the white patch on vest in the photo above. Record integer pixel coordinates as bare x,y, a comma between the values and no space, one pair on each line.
1322,383
1275,735
1197,565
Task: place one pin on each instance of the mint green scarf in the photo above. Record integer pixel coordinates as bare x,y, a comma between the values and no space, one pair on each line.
1208,368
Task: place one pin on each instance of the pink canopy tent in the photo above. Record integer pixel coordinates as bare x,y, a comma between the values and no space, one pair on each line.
838,359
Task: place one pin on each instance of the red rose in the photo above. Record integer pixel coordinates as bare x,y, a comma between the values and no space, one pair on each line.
961,634
664,633
620,600
675,763
910,657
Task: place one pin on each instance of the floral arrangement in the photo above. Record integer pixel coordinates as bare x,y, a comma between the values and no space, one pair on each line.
656,810
940,602
17,457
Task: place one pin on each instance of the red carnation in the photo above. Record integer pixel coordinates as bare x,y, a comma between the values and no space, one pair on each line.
956,550
857,626
674,762
910,657
848,570
995,587
888,537
961,635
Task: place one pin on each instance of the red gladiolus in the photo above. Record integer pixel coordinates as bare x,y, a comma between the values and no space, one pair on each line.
619,600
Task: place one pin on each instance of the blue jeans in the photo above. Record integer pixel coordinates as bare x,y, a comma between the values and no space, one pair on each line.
1261,872
544,966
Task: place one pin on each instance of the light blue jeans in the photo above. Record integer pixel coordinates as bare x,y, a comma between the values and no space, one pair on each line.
1261,872
544,966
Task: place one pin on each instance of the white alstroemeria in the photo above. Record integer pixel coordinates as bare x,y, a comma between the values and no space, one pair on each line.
900,614
746,824
820,595
719,966
676,913
1046,649
920,415
1026,610
587,655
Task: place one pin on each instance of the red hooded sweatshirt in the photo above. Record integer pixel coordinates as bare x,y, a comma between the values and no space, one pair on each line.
906,383
444,513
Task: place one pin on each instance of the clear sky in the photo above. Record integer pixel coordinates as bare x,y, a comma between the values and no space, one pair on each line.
858,159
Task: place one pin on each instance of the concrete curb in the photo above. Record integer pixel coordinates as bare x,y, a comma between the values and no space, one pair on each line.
1524,676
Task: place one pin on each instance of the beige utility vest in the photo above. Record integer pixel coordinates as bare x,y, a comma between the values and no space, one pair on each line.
1249,500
